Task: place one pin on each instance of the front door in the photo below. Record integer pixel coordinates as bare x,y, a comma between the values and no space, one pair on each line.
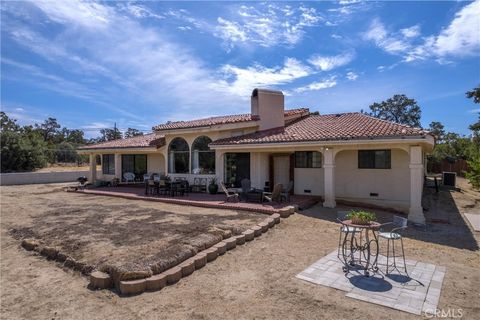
281,170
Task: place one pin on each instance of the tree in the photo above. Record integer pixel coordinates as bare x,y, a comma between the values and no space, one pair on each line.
8,124
74,136
399,109
131,132
20,148
111,134
437,129
48,128
473,173
475,94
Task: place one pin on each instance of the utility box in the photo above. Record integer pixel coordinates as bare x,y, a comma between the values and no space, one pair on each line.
449,178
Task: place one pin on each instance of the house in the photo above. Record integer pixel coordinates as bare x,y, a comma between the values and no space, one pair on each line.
347,156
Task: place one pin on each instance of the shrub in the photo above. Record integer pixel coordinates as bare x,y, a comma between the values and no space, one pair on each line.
473,173
361,217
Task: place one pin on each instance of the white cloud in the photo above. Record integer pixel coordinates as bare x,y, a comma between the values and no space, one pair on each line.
268,26
460,38
352,76
242,80
139,11
320,85
326,63
86,14
412,32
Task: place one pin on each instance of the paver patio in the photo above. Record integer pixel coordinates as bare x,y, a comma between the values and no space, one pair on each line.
204,200
417,292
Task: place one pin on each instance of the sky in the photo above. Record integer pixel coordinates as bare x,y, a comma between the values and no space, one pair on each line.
139,64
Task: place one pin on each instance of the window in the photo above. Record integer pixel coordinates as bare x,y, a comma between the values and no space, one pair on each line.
178,156
374,159
237,168
108,164
203,159
135,163
308,159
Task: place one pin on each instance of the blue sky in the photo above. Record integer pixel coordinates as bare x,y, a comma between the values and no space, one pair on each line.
91,64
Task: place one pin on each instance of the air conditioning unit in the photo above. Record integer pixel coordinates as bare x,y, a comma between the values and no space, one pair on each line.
449,178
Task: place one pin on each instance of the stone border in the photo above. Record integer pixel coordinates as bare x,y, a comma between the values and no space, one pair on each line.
100,280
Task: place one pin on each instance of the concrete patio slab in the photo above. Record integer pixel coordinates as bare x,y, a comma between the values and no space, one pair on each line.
417,293
474,219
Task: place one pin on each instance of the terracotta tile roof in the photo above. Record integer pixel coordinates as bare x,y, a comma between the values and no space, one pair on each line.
206,122
331,127
147,140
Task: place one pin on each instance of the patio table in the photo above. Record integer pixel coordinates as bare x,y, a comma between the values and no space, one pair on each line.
362,239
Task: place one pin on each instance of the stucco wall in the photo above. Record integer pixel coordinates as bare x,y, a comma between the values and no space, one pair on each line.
155,163
7,179
309,179
391,185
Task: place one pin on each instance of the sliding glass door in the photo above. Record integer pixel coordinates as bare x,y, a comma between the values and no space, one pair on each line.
237,168
135,163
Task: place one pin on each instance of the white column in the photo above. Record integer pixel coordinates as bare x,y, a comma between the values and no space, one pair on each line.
93,168
416,185
329,178
219,165
118,166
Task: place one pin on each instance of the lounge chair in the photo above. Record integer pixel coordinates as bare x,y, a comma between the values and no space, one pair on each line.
230,194
276,195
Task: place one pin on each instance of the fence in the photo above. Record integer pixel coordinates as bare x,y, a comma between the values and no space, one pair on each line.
7,179
459,166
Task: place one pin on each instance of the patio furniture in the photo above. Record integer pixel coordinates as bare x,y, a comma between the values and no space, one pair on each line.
129,177
286,192
82,182
199,185
396,227
163,187
230,194
342,216
275,195
366,246
254,195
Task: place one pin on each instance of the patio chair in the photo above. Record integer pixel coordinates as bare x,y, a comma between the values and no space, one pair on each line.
286,192
129,177
230,194
276,195
396,227
342,216
162,187
199,185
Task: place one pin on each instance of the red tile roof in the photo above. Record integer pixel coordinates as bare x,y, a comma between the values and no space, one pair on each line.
331,127
206,122
147,140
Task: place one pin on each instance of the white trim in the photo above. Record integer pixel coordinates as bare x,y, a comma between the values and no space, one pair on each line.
215,127
119,150
320,144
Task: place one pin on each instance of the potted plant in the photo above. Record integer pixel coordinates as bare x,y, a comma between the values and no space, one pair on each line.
213,186
361,217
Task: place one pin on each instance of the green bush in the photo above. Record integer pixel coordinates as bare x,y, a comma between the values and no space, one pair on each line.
473,173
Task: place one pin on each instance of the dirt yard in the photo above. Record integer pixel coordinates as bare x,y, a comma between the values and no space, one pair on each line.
254,281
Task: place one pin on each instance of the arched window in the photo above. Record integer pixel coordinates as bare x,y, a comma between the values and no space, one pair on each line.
178,156
203,159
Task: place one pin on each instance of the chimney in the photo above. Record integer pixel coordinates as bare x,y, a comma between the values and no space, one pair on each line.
269,105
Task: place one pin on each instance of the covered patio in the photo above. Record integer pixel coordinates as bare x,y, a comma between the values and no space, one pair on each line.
205,200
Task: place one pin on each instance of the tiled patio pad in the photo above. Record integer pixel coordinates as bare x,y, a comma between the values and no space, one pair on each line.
417,293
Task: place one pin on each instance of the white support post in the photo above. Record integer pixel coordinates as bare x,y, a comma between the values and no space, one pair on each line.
329,178
219,164
93,168
118,166
416,185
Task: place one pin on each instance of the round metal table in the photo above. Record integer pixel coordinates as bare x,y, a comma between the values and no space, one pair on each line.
361,239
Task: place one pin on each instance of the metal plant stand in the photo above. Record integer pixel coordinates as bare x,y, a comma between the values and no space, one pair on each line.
363,241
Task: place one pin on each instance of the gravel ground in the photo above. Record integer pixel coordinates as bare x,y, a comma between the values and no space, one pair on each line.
254,281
